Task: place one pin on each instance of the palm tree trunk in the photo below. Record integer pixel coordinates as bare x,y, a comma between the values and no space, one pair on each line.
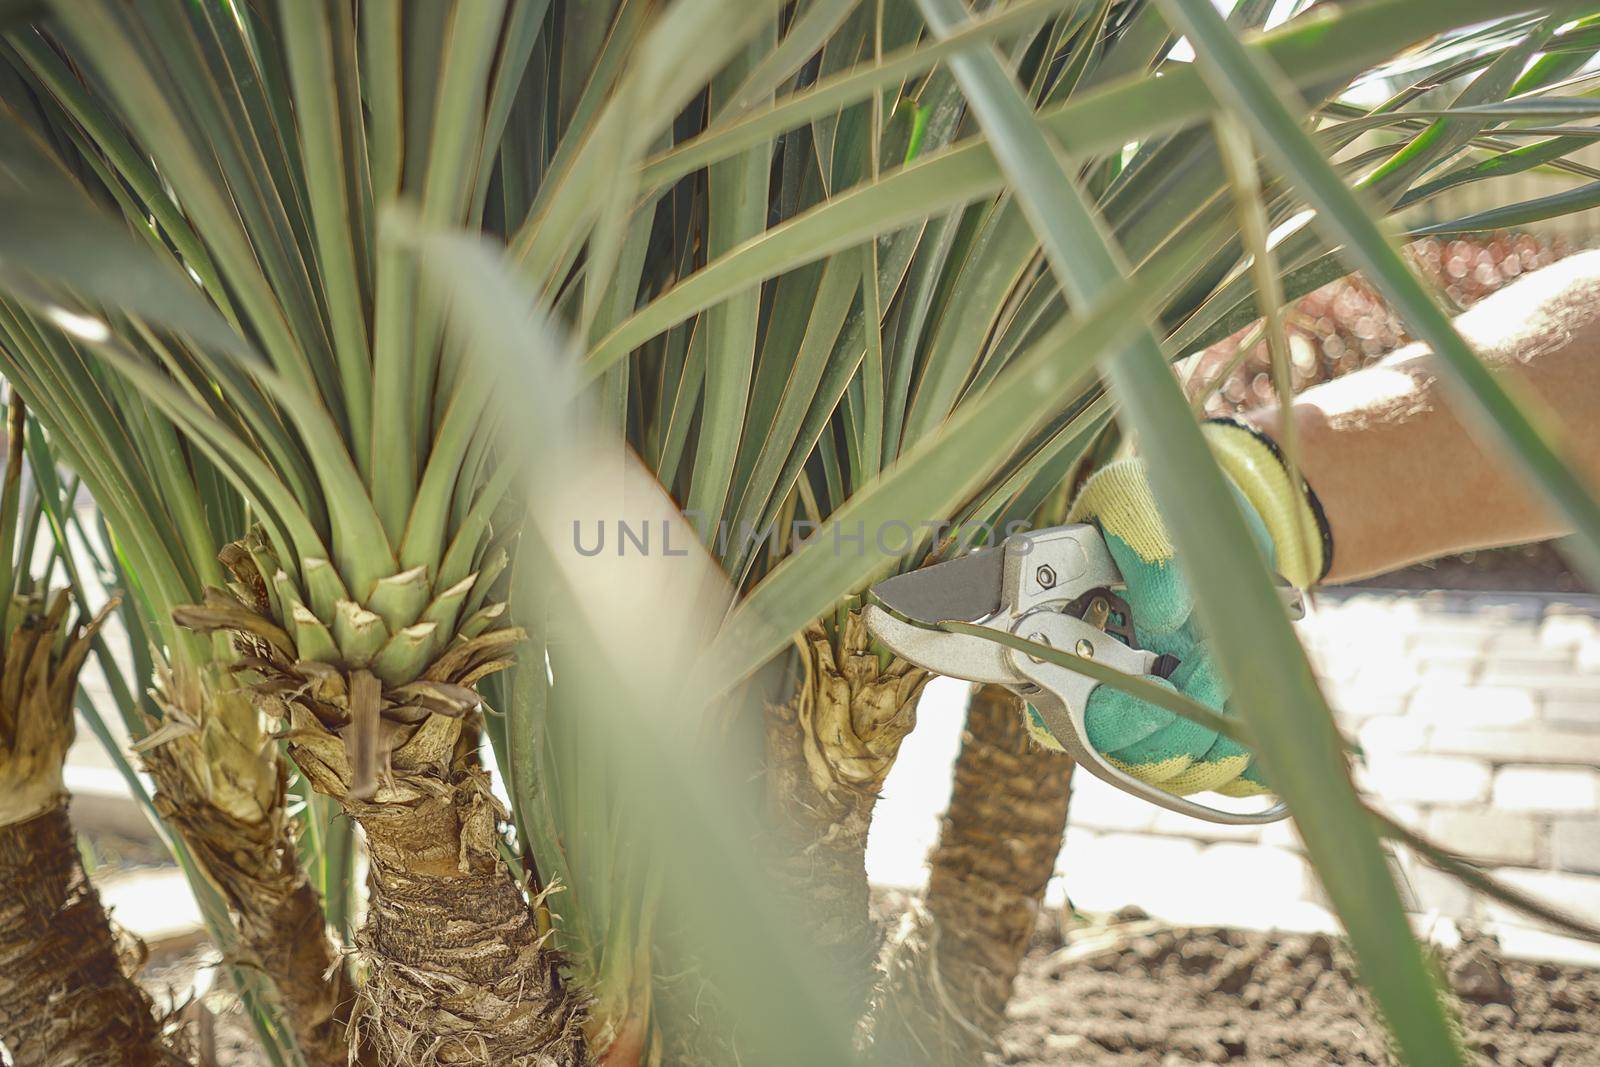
253,861
64,998
458,971
949,969
828,751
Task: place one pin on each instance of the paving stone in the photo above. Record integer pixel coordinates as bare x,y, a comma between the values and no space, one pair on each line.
1496,837
1566,711
1523,745
1521,788
1428,779
1472,705
1575,845
1578,894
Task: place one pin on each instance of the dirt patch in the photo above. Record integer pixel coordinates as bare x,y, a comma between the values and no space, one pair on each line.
1138,993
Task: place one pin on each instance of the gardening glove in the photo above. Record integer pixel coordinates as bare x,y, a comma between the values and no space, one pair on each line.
1149,742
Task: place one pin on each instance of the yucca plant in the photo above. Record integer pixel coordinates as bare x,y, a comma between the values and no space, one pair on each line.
66,996
220,782
361,600
863,266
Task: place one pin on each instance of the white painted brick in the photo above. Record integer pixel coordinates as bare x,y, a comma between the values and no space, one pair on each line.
1563,682
1115,870
1529,648
1476,625
154,904
1565,711
1472,705
1578,894
1255,870
1355,701
1393,734
1393,672
1447,647
1450,672
1522,943
1520,745
1521,788
1075,850
1177,824
1440,894
1244,885
1428,779
1282,834
1565,631
1575,845
1492,836
1097,805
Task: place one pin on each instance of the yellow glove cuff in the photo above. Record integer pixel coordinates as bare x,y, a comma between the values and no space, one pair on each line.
1119,496
1285,508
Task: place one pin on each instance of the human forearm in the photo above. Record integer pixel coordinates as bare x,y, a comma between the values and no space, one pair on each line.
1402,478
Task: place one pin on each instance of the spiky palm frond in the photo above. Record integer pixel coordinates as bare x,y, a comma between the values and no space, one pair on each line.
802,280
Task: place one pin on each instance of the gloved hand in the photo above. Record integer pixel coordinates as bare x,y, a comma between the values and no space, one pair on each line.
1147,741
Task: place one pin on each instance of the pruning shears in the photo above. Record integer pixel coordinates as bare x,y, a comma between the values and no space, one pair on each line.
1054,587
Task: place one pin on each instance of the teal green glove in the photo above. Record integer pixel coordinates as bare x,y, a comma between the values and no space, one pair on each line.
1149,742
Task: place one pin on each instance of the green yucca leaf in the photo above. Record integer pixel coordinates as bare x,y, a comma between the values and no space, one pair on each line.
1328,47
1271,679
928,481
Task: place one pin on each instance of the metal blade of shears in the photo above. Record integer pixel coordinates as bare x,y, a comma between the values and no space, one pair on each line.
966,588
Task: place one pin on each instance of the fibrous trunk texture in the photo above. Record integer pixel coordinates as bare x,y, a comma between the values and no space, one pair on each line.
382,719
253,862
459,972
65,1000
457,969
949,969
828,752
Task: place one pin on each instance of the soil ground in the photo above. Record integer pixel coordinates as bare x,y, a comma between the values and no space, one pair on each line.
1136,992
